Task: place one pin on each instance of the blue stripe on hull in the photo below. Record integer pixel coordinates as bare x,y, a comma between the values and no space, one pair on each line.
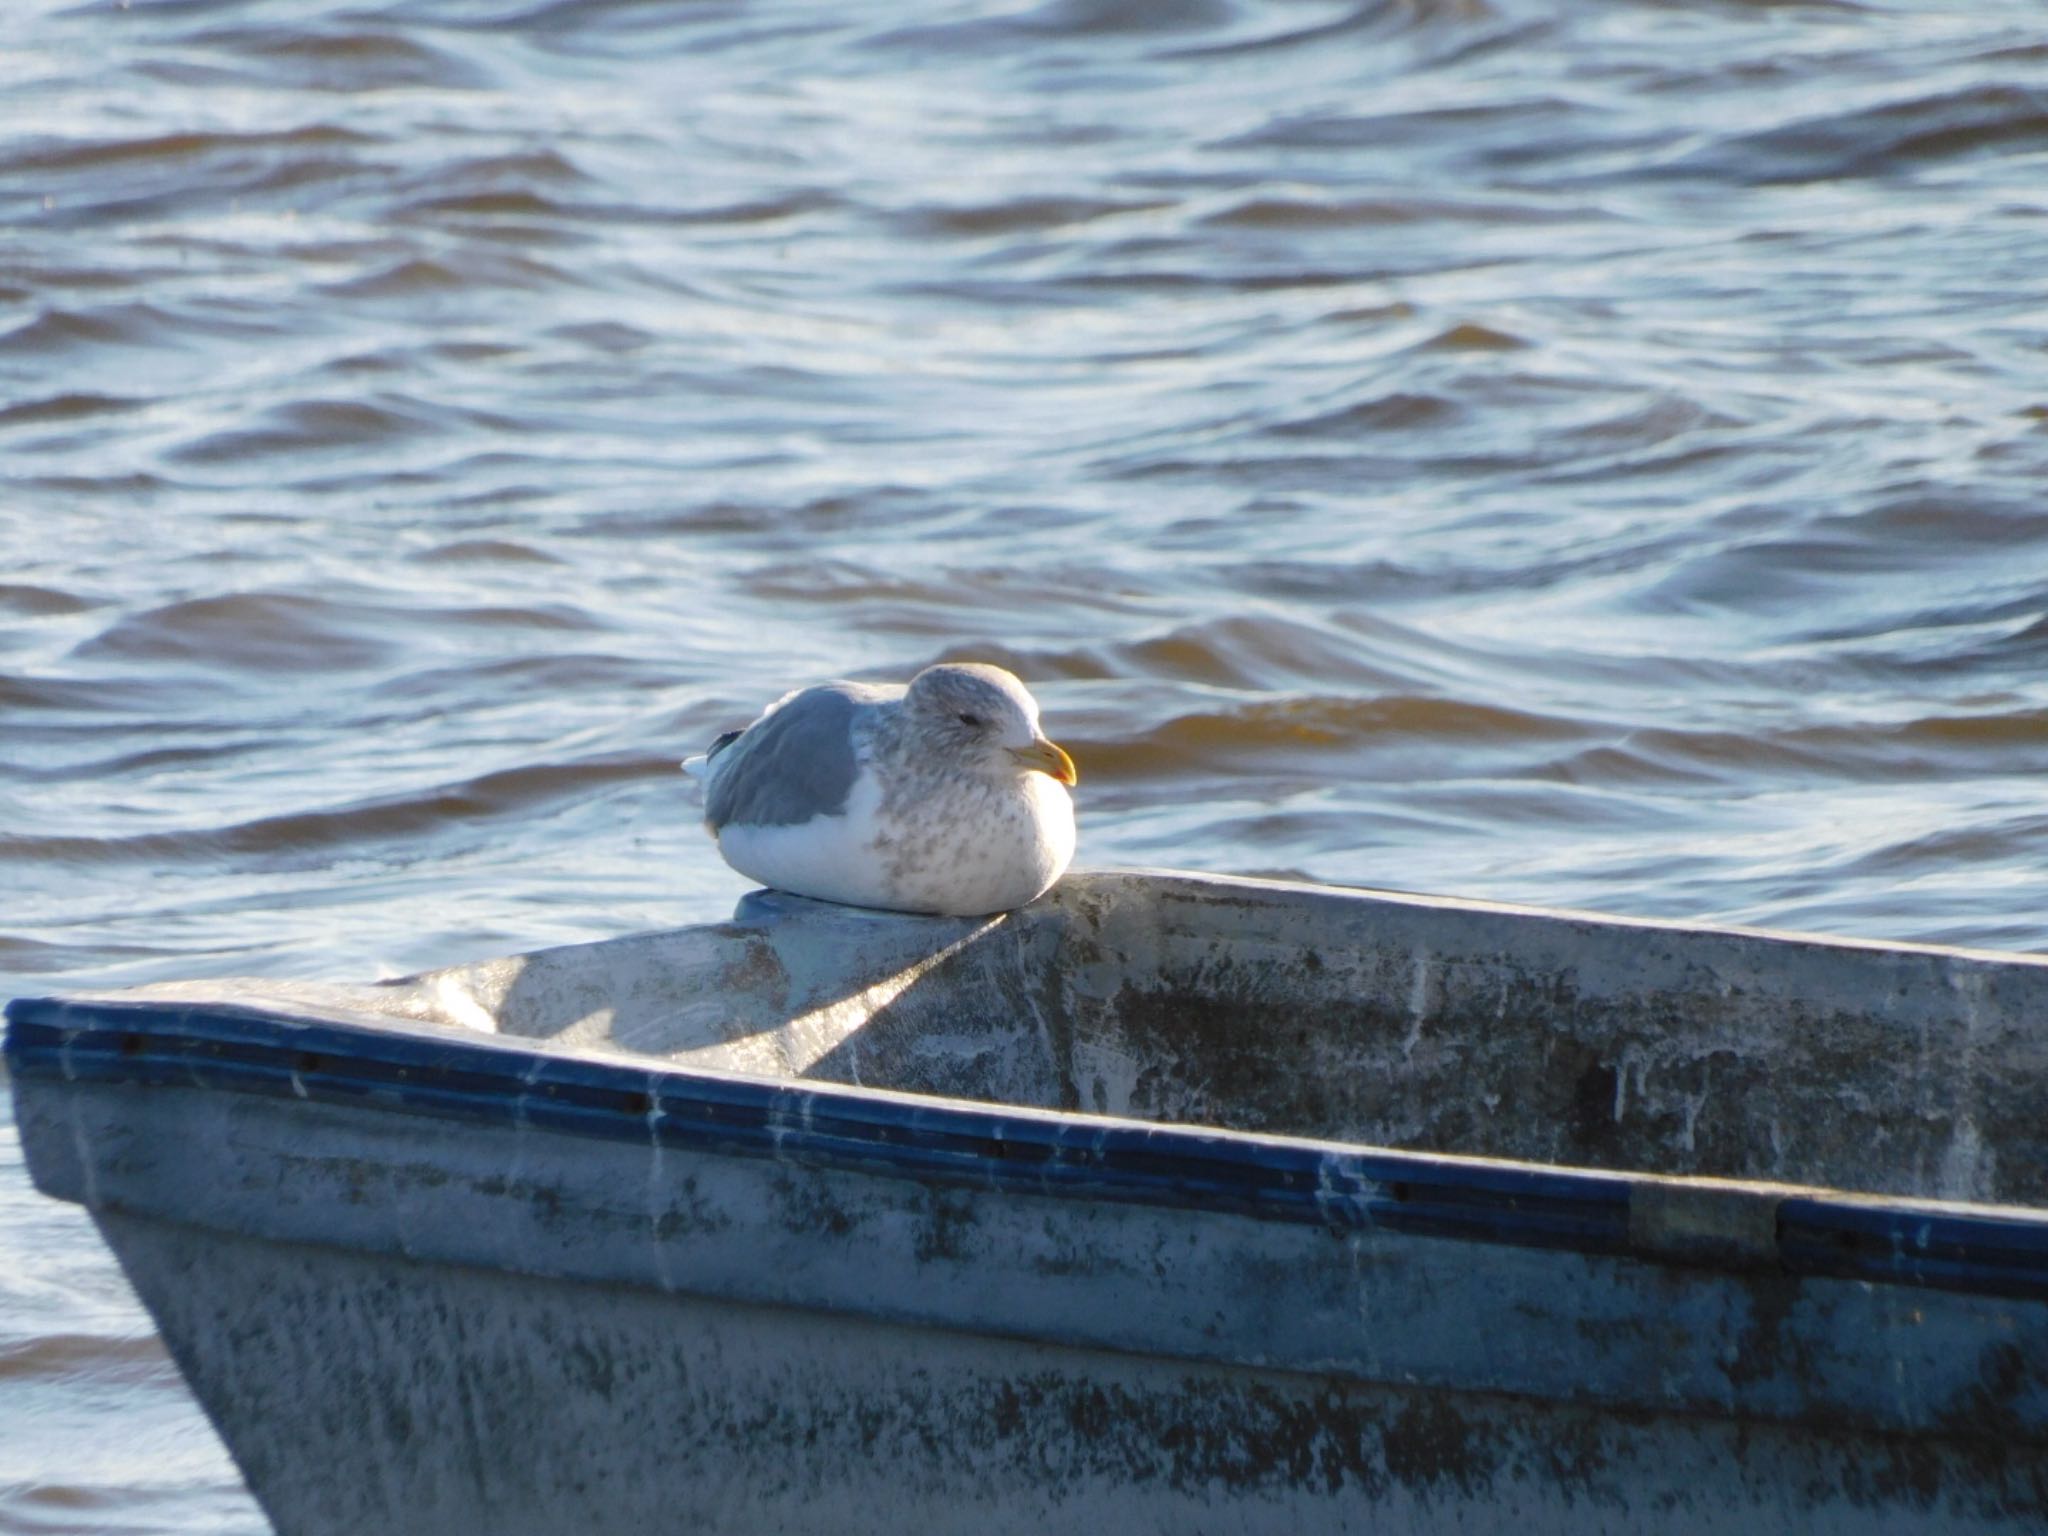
1020,1151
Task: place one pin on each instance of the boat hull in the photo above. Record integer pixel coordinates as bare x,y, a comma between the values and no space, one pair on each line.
625,1236
412,1397
409,1321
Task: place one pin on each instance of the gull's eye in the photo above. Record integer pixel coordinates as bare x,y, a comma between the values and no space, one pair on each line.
972,720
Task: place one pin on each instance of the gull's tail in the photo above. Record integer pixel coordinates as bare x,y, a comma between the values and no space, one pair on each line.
699,767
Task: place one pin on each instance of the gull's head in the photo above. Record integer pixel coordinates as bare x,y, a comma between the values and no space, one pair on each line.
982,713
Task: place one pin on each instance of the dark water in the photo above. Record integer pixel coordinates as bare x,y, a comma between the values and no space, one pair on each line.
1584,454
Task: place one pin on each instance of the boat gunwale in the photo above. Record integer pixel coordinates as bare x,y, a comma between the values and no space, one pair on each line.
423,1069
1200,886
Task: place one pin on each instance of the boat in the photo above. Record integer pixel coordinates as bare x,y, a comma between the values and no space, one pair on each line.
1170,1202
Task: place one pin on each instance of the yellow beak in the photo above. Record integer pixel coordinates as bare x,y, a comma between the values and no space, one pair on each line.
1046,758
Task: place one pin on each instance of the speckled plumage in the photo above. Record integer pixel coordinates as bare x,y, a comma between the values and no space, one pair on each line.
941,796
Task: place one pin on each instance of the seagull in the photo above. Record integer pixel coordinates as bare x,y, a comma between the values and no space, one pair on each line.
940,796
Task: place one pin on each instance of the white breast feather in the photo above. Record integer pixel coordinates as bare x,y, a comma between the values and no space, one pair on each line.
1011,845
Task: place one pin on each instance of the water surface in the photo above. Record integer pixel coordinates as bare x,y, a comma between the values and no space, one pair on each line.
1574,454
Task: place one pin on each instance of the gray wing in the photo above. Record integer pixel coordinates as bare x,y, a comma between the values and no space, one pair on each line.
794,763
